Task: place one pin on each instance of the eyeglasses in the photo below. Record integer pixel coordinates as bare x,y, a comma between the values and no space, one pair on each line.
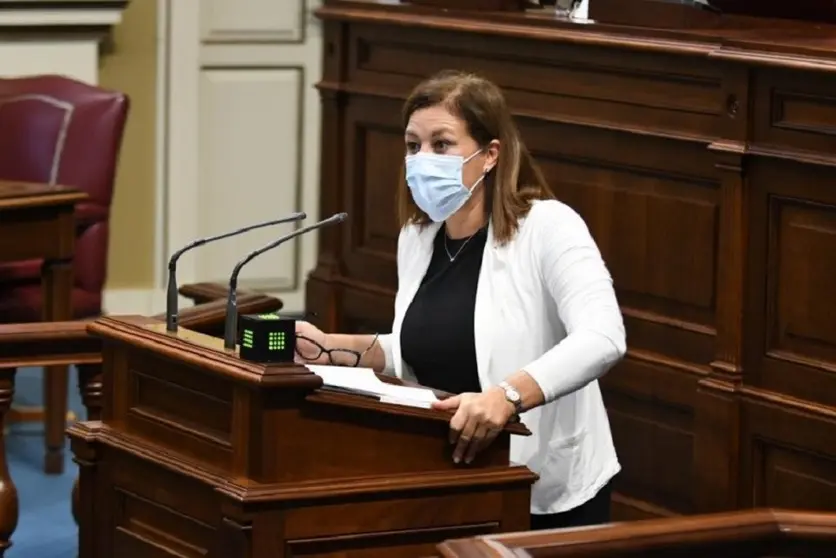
337,357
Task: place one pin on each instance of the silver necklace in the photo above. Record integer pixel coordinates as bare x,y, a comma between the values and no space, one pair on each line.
459,251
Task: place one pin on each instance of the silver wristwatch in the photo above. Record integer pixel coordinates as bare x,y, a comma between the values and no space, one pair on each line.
512,396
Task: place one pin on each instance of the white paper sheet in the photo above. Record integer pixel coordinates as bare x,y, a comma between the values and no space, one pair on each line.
364,380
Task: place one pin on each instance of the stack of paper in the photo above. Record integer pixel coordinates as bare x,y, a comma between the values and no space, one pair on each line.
364,381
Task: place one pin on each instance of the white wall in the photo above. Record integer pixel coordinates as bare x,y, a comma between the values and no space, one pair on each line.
238,143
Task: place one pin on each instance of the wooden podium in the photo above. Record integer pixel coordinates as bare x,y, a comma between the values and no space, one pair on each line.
201,454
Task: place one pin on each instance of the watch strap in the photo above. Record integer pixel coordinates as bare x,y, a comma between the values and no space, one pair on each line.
512,396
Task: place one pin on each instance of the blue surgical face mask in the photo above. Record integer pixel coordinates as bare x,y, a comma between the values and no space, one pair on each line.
436,183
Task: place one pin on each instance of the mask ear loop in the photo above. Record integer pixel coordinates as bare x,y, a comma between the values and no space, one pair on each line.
472,155
480,150
484,172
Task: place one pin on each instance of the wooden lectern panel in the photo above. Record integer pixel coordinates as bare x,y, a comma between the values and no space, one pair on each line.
201,454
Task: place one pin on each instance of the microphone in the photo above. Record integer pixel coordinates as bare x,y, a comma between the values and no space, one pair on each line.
231,326
171,310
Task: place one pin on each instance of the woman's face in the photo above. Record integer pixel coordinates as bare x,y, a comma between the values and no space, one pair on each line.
435,130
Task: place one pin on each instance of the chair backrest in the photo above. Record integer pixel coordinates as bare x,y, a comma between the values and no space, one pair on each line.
56,130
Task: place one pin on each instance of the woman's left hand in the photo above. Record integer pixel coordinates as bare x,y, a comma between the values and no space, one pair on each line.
478,419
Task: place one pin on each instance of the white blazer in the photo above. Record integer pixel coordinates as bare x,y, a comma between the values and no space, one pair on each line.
544,304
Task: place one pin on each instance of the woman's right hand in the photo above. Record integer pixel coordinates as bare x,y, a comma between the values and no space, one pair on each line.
309,343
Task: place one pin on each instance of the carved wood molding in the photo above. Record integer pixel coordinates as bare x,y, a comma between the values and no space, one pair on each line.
8,5
57,20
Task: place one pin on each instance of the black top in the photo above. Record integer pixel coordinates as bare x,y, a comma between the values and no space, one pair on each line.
437,331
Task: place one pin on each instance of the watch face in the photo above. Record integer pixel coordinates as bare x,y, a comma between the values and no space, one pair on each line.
513,396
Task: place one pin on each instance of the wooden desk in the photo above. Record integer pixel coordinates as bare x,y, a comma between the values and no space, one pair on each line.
703,161
37,222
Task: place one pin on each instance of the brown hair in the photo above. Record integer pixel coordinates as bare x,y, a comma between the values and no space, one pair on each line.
516,180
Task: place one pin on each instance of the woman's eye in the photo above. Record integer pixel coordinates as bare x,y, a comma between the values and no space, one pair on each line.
440,146
412,147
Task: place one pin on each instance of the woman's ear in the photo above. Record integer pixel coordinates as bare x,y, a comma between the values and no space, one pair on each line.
491,156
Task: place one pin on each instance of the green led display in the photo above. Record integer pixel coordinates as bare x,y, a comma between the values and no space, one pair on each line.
268,316
247,339
276,341
267,338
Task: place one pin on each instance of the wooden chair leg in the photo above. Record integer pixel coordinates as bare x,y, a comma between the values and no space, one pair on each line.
9,510
55,417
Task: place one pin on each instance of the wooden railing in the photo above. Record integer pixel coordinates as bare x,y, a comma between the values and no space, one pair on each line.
750,533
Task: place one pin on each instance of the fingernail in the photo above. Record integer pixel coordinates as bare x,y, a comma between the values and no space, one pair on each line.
468,460
456,459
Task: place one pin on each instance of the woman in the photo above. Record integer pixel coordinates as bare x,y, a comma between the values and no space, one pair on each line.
503,299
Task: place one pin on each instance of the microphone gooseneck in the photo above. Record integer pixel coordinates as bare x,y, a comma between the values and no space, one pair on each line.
171,310
231,324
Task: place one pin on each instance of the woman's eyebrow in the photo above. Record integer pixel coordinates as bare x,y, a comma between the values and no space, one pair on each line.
443,130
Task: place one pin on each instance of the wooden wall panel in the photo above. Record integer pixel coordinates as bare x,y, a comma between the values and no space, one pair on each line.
795,110
373,163
546,78
793,304
788,455
651,410
705,175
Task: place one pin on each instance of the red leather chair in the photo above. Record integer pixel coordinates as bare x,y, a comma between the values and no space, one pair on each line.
54,130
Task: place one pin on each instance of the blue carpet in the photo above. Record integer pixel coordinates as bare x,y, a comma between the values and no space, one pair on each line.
46,528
